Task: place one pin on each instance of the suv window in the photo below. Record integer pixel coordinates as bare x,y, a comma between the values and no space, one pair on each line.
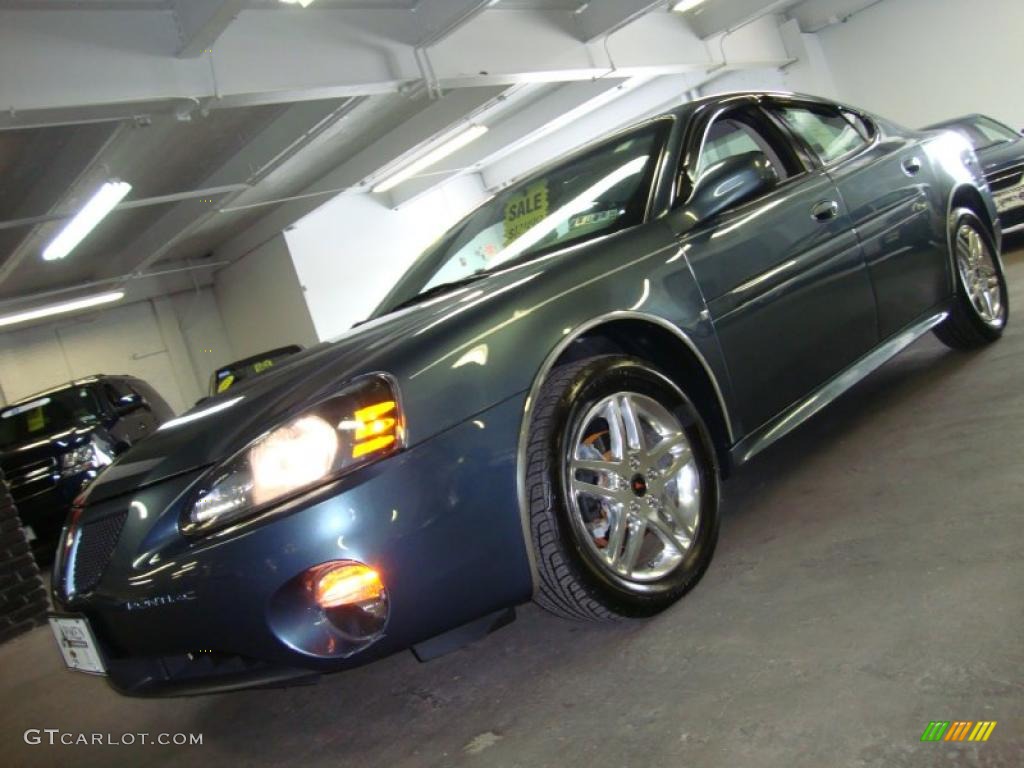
46,415
826,130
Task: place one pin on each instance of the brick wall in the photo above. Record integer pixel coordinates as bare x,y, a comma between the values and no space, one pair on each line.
23,601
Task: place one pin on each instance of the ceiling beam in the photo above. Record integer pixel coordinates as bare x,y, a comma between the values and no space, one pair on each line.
720,16
201,22
58,63
436,19
600,18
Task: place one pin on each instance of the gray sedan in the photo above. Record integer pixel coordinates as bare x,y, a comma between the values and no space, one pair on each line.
543,408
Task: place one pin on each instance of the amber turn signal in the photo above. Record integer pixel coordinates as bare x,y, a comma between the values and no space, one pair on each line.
346,583
377,428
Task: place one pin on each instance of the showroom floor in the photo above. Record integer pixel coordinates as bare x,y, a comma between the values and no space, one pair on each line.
868,580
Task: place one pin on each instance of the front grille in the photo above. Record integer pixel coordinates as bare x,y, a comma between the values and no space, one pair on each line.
1006,179
29,479
96,542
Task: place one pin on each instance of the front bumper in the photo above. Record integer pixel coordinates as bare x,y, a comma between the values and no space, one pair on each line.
439,521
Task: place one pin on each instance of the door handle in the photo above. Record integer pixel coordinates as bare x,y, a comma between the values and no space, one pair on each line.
825,210
912,166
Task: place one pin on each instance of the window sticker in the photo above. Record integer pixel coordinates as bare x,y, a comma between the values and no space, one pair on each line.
17,410
526,210
36,420
262,365
225,383
593,220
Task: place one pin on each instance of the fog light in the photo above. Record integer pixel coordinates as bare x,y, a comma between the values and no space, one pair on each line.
347,583
354,601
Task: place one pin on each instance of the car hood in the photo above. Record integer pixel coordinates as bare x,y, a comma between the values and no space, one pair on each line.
1002,156
219,426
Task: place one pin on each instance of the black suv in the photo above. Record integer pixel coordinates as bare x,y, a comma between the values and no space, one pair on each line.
52,444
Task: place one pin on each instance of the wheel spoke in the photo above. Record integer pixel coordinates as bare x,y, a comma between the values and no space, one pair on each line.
634,541
989,306
616,429
667,443
616,534
595,465
678,541
634,432
613,495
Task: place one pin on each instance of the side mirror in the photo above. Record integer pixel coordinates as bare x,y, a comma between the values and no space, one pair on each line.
129,404
731,182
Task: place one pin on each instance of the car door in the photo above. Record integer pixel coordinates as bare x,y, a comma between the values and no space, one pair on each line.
129,424
783,275
886,183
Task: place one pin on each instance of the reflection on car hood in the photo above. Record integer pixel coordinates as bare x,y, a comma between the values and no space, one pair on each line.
1002,156
219,426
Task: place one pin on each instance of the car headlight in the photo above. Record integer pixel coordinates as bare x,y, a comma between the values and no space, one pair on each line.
338,435
78,460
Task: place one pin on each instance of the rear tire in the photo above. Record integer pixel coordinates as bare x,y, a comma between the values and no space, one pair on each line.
981,305
623,490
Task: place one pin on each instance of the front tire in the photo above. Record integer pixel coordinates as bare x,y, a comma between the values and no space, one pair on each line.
623,490
981,304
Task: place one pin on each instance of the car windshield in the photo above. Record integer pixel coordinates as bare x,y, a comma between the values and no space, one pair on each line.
593,194
46,415
984,132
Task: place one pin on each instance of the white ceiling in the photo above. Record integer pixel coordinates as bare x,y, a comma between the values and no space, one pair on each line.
277,108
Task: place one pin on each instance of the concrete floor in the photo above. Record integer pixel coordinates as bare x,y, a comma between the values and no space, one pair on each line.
869,579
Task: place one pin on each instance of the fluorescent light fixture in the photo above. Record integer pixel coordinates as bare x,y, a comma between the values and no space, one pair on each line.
303,3
85,221
455,143
59,309
686,5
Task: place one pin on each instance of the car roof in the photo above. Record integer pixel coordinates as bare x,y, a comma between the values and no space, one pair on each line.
81,382
955,121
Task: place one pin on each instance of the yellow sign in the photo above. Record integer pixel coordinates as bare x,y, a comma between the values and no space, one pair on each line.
226,383
36,420
526,210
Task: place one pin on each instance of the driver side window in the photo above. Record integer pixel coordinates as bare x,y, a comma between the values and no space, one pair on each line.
729,138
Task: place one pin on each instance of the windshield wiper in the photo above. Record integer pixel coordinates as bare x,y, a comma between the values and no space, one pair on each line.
439,289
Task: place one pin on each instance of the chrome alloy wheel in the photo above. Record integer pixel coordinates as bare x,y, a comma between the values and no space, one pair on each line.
980,276
633,487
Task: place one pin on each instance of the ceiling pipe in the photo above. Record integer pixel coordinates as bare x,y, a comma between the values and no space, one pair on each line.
842,19
766,11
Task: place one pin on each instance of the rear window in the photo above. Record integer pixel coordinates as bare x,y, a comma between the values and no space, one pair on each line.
830,133
47,415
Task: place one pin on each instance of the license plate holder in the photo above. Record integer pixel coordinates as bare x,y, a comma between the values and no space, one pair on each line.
77,643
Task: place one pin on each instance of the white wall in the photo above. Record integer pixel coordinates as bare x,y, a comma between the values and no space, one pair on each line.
261,302
920,61
350,252
810,72
160,340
